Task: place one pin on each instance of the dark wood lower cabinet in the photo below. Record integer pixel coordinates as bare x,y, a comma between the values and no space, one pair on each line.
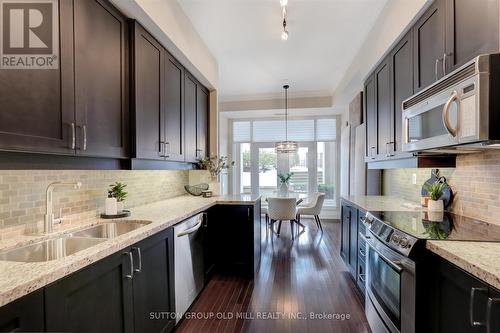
24,314
153,283
233,239
457,301
97,298
105,298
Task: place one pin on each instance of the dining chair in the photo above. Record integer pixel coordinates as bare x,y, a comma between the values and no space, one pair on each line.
263,210
313,208
282,209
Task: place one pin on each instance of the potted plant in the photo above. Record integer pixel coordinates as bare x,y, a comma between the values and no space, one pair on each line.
215,166
435,191
116,191
284,179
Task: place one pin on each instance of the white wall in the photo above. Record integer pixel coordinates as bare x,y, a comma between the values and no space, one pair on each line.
168,23
394,19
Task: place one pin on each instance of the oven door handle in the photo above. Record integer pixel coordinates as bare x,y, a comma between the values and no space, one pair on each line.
446,110
396,264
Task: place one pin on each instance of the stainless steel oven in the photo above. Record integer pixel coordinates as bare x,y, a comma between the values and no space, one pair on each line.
390,288
459,110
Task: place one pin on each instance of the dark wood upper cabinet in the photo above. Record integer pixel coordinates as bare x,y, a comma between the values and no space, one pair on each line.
384,110
472,28
174,110
37,105
149,95
429,45
402,86
371,118
202,115
190,128
101,79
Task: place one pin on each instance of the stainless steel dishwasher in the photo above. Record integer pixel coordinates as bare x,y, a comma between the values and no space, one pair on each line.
188,261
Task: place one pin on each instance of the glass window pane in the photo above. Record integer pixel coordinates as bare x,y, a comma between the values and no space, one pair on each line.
268,176
245,170
299,183
326,158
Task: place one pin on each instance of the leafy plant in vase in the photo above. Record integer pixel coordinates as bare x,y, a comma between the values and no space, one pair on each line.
215,165
435,191
116,191
284,179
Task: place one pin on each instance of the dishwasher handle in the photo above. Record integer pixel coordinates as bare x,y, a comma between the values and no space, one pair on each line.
191,230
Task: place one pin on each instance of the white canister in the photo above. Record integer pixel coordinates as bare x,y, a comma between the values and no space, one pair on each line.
111,206
119,206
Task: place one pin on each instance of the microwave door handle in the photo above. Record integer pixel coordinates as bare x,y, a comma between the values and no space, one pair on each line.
446,109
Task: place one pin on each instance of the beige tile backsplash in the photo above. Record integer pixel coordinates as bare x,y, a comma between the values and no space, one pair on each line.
22,193
475,182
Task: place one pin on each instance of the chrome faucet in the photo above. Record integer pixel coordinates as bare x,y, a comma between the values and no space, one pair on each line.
49,220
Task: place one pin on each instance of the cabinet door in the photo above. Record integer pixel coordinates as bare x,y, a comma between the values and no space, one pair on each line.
149,77
174,110
101,82
472,28
493,311
353,242
24,314
97,298
202,122
402,86
190,129
153,282
454,286
371,119
209,241
345,238
37,105
429,46
384,110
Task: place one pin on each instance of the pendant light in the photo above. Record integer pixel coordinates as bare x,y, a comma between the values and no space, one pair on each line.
286,146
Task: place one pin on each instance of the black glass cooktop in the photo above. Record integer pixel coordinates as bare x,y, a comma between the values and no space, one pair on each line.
440,226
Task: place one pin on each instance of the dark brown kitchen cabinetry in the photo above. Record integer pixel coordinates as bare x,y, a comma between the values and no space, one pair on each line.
202,107
401,62
371,124
385,118
429,45
118,293
37,105
24,314
472,28
149,95
174,110
81,107
348,241
101,79
457,301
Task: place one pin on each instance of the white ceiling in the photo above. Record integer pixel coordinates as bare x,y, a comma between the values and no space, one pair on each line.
244,36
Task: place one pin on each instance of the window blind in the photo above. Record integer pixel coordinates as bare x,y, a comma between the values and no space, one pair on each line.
326,129
241,131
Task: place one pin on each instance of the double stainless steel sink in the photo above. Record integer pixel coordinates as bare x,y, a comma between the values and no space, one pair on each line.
67,244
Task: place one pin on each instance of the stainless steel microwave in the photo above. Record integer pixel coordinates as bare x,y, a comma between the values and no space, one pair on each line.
461,111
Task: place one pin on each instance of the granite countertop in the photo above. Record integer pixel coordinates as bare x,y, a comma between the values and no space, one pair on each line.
480,259
18,278
375,203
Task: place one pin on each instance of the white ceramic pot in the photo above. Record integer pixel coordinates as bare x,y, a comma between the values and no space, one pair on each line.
111,206
284,189
119,206
435,205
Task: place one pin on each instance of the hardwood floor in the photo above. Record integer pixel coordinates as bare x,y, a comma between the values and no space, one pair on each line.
296,278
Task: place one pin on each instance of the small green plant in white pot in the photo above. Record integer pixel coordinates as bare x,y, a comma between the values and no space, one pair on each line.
284,179
435,191
116,190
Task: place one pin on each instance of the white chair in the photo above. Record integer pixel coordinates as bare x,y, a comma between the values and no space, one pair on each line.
313,208
263,210
280,209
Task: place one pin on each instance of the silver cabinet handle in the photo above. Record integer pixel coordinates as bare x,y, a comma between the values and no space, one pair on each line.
491,301
473,291
444,63
446,121
73,136
139,256
436,68
162,148
205,220
362,253
131,258
167,149
84,128
362,277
